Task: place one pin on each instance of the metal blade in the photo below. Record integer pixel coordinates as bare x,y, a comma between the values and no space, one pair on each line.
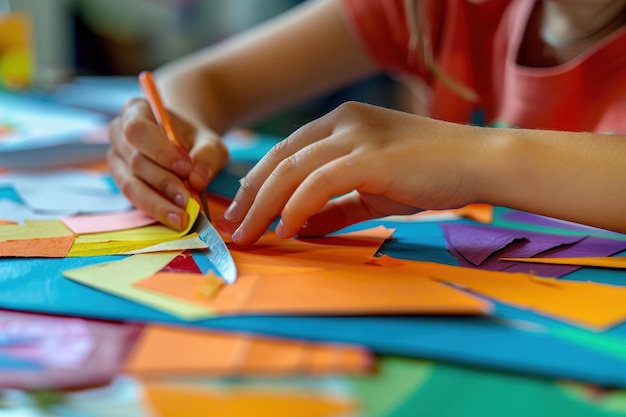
216,250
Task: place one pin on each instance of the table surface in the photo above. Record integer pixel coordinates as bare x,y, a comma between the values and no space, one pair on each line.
434,366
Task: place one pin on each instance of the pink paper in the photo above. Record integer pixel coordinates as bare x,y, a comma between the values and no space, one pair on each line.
97,223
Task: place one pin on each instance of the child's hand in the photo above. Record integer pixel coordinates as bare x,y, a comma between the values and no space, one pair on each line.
380,161
150,170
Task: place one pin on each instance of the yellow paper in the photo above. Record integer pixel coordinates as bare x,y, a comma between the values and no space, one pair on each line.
47,238
35,229
117,277
133,240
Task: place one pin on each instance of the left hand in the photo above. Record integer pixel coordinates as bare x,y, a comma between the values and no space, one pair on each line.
379,161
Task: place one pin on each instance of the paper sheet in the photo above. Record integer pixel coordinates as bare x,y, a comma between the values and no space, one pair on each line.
66,192
601,262
117,278
142,239
189,401
331,275
217,354
97,223
587,304
483,246
36,238
72,352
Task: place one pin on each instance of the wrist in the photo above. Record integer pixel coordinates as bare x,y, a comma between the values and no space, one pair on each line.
497,168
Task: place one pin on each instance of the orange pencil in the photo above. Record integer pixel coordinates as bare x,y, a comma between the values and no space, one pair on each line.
146,81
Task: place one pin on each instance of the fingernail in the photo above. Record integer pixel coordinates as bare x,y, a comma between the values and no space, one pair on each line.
237,235
173,219
280,229
182,168
232,212
179,200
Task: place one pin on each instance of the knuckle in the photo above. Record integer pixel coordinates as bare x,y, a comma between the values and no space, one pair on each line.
280,149
246,187
127,187
133,127
320,177
135,161
287,165
349,108
166,186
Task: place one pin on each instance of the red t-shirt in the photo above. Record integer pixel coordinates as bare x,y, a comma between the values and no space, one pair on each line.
477,44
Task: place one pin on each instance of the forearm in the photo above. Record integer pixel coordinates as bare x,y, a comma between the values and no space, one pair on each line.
299,55
571,176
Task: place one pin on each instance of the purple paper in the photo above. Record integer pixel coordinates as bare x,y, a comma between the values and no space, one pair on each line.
100,348
542,221
472,243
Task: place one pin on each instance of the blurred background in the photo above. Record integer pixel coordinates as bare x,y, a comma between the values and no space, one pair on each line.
70,39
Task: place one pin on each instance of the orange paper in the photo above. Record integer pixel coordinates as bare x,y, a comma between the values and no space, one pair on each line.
52,247
355,290
588,304
329,275
190,401
211,353
600,261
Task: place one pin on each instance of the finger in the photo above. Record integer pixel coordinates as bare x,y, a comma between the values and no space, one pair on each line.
336,214
281,184
141,131
259,174
144,197
336,178
208,156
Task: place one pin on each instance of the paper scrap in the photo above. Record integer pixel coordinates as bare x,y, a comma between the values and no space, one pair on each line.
482,247
189,401
142,239
66,192
117,278
97,223
586,304
212,353
36,238
601,261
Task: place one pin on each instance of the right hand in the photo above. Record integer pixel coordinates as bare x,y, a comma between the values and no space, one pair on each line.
150,170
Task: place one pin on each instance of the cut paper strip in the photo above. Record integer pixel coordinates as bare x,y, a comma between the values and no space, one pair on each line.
120,247
117,278
97,223
218,354
194,401
189,242
353,290
587,304
137,240
37,238
482,247
601,262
